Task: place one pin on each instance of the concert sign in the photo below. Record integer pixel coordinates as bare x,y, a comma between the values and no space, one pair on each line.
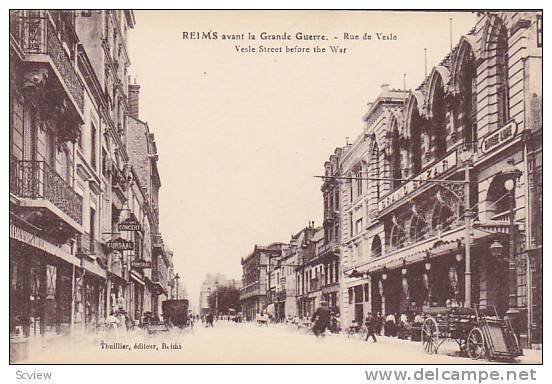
130,224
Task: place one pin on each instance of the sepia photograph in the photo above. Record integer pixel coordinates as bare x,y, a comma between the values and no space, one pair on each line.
275,187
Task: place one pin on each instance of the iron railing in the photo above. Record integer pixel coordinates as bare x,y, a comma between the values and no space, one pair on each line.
35,33
38,180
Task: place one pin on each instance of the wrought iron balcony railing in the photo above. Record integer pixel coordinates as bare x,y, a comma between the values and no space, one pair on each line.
37,180
35,33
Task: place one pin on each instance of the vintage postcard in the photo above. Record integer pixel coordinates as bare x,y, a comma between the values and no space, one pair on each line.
283,186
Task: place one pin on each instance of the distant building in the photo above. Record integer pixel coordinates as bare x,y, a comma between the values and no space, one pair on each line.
256,271
209,285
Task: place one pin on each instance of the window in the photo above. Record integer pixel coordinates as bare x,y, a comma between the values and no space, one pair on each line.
51,148
104,162
92,229
438,120
503,103
375,173
359,182
351,188
358,226
351,223
376,246
466,109
93,147
415,122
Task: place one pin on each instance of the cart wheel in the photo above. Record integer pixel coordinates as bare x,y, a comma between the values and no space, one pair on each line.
475,344
430,335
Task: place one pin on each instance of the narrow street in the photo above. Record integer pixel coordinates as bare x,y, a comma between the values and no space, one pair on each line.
246,343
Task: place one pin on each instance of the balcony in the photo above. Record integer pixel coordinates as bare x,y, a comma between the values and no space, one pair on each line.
330,248
252,290
48,48
37,185
157,244
330,215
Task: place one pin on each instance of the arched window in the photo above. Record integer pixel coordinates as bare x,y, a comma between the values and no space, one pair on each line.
503,102
499,200
415,124
375,171
466,108
398,236
396,160
419,226
376,247
446,212
438,119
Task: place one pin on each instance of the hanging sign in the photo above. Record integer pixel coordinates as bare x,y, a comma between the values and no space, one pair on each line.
130,224
141,264
120,244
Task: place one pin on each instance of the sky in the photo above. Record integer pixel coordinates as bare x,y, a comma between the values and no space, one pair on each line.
240,136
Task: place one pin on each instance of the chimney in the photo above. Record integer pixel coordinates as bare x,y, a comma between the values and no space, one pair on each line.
134,100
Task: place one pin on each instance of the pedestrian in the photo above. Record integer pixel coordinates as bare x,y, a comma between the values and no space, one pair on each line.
379,319
209,319
321,318
390,324
112,321
371,325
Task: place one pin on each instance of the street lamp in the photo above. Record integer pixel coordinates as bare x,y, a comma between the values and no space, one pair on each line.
466,158
427,262
496,248
177,277
384,273
511,174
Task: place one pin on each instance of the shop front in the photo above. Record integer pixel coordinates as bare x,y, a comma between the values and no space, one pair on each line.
40,292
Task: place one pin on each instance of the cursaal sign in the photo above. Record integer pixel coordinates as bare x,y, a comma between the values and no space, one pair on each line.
120,245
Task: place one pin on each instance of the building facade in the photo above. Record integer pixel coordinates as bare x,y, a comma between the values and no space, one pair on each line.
257,267
450,172
72,181
308,271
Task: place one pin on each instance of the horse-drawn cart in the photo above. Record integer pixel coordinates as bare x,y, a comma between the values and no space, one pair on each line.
479,332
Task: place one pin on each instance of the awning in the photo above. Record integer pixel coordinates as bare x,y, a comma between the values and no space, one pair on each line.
137,278
437,246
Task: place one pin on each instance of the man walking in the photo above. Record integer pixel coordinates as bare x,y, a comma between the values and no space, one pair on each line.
321,318
371,324
209,319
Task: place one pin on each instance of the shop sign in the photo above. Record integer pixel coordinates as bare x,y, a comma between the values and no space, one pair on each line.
130,224
440,167
120,245
141,264
497,138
